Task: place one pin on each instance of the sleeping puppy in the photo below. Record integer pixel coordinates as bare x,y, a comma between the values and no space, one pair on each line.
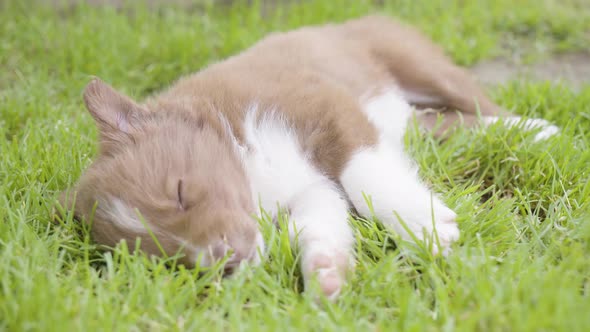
309,120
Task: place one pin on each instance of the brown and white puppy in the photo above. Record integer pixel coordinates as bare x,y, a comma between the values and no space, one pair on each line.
308,120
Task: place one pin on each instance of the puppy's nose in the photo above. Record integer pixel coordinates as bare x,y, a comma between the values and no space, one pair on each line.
232,264
222,250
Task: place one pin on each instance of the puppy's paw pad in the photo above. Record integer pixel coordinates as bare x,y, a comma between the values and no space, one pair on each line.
329,270
331,282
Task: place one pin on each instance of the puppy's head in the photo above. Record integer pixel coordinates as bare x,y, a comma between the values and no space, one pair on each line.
171,174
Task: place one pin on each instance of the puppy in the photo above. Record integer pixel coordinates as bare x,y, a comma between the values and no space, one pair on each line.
309,120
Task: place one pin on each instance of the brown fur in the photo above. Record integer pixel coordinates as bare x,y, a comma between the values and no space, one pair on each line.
313,76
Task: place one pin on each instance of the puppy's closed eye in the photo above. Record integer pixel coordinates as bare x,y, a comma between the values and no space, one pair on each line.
181,202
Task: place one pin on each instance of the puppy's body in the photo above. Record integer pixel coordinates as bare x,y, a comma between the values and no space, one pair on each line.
317,78
308,120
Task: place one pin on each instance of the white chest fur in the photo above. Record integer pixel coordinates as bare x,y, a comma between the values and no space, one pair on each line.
280,172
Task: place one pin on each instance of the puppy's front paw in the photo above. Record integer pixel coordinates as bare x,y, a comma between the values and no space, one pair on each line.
445,233
436,225
328,268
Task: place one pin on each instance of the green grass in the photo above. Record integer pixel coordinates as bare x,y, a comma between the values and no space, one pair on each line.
523,262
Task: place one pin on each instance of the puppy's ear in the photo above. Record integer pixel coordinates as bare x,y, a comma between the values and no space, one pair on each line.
115,114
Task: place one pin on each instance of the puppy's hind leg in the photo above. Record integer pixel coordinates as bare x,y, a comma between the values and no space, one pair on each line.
461,101
429,79
426,75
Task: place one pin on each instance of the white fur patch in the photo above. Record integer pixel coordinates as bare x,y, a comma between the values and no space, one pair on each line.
389,113
124,217
387,176
277,167
281,174
546,128
393,187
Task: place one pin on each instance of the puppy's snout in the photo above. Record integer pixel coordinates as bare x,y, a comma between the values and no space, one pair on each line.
235,256
220,250
238,252
233,263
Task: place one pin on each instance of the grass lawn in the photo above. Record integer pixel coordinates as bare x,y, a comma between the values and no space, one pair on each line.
523,261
